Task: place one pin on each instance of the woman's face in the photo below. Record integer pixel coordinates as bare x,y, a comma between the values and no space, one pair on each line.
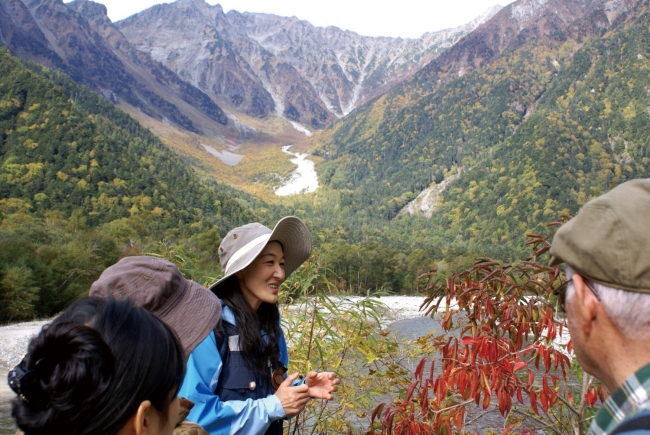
260,281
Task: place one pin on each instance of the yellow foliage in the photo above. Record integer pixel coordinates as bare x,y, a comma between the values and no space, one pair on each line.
134,210
145,202
629,113
14,205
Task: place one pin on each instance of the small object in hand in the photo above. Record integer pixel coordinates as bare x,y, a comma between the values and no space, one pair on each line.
277,377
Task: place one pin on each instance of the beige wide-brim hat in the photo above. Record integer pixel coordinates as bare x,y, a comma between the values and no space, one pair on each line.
187,307
243,244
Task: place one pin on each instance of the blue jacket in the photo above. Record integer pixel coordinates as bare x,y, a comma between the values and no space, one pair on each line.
234,416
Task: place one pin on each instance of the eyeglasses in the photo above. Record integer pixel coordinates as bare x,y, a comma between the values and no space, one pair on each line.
561,291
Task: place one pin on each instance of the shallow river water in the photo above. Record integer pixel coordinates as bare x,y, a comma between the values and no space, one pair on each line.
409,326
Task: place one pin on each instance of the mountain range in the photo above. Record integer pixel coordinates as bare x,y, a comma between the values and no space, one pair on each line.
538,110
183,63
264,63
441,148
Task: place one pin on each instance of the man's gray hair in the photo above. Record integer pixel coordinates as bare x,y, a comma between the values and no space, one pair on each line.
630,311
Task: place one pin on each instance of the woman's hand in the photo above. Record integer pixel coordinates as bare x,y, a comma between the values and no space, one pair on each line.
322,385
293,399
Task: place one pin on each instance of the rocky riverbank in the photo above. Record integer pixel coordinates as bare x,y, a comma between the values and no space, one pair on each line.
15,338
13,346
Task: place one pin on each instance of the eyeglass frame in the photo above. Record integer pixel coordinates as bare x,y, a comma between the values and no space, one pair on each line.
561,291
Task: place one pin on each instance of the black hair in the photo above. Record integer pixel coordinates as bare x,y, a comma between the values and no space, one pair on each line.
255,350
92,367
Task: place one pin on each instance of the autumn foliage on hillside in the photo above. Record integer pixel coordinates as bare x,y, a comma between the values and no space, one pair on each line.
500,351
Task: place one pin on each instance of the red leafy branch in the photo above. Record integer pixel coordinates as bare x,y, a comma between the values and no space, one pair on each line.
500,348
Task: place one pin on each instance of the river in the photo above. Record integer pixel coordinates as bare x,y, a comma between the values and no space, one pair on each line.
408,324
303,179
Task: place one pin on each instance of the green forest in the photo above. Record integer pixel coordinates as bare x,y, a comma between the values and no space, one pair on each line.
521,142
524,141
83,184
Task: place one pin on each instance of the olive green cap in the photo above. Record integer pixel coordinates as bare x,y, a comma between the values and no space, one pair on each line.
609,239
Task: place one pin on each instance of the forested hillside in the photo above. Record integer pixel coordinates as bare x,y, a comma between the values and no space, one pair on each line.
529,137
512,140
81,184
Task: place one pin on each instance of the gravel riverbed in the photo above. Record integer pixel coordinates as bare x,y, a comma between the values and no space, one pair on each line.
14,339
13,346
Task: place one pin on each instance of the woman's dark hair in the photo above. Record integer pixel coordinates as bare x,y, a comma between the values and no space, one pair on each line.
90,369
250,325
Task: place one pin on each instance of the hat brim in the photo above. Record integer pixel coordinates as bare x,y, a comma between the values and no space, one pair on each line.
555,261
295,238
194,316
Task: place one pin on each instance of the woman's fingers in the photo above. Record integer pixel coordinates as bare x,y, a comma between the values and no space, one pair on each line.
293,399
321,385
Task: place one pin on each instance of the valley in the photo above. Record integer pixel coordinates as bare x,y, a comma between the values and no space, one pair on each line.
438,165
431,151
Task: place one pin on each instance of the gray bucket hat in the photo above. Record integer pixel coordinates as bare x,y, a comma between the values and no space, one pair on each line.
243,244
187,307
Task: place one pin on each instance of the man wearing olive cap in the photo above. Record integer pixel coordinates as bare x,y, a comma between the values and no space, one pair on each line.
606,248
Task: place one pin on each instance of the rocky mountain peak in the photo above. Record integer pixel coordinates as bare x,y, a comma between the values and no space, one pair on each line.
91,10
263,64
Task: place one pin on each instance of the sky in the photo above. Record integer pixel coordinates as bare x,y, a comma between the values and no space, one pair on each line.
396,18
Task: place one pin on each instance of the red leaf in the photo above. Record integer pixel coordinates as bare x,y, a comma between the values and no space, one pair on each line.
502,402
376,411
486,399
458,418
591,397
519,365
543,399
467,340
508,428
602,393
409,392
533,401
419,369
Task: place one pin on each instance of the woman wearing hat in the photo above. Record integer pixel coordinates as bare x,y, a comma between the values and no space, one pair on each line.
235,377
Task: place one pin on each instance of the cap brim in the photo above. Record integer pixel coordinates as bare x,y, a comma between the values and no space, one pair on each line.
555,261
295,238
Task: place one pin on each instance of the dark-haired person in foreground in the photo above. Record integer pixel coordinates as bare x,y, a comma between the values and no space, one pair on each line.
103,367
606,248
236,376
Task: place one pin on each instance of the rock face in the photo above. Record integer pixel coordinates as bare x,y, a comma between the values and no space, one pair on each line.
524,21
79,39
264,63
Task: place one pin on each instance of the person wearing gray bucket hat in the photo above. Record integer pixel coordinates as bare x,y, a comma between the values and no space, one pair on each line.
606,248
191,310
237,376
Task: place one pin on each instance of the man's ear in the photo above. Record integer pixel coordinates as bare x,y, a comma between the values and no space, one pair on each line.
142,423
587,304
